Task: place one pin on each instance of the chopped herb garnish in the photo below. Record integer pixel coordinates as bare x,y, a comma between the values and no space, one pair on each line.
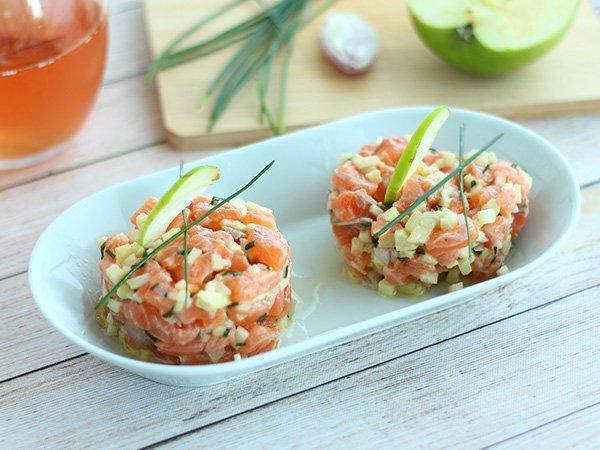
402,258
514,165
184,252
250,244
229,272
165,295
420,251
473,183
154,286
461,149
263,37
365,223
110,253
495,255
261,318
285,271
240,344
185,247
444,180
486,168
117,285
102,249
145,253
150,336
226,332
215,200
477,252
433,150
231,305
169,313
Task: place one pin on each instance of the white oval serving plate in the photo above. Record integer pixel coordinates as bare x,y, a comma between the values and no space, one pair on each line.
65,281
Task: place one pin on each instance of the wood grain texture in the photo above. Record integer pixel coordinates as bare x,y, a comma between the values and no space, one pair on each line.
125,118
128,53
142,403
515,368
406,73
575,430
577,264
23,228
26,339
445,378
449,395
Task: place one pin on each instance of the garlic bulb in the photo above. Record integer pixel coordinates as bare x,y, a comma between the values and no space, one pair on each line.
349,42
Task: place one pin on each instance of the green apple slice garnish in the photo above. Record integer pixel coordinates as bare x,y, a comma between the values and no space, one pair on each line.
415,151
188,187
491,37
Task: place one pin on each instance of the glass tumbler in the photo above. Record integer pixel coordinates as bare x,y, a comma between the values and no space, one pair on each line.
52,57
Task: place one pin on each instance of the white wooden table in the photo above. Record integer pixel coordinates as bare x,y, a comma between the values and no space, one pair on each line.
517,367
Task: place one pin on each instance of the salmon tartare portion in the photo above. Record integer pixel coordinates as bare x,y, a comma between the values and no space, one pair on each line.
236,299
430,244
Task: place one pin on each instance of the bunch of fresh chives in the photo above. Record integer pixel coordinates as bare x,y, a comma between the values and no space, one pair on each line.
262,38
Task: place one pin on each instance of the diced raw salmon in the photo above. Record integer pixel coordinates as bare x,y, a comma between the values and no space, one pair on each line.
245,264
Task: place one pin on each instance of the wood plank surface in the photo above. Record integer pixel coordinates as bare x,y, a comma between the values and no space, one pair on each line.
452,373
251,392
74,185
576,264
448,393
23,228
514,368
406,73
578,429
128,53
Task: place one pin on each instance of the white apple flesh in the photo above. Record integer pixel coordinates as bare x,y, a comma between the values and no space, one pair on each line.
188,187
418,145
491,37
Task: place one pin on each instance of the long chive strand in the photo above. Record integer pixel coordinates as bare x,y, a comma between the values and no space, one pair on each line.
263,37
224,39
230,68
137,266
444,180
156,66
245,52
177,60
239,77
185,246
284,71
264,111
461,184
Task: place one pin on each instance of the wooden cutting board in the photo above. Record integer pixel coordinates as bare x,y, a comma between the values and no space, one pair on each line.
567,80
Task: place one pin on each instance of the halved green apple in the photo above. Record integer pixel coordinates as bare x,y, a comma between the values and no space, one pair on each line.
416,149
491,37
189,186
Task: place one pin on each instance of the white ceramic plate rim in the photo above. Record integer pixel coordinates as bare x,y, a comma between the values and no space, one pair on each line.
229,370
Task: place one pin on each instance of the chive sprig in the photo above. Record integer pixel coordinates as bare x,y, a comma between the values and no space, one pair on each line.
263,38
444,180
149,255
461,184
185,246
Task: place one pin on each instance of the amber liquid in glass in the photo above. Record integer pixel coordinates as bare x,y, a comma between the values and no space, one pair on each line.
49,81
